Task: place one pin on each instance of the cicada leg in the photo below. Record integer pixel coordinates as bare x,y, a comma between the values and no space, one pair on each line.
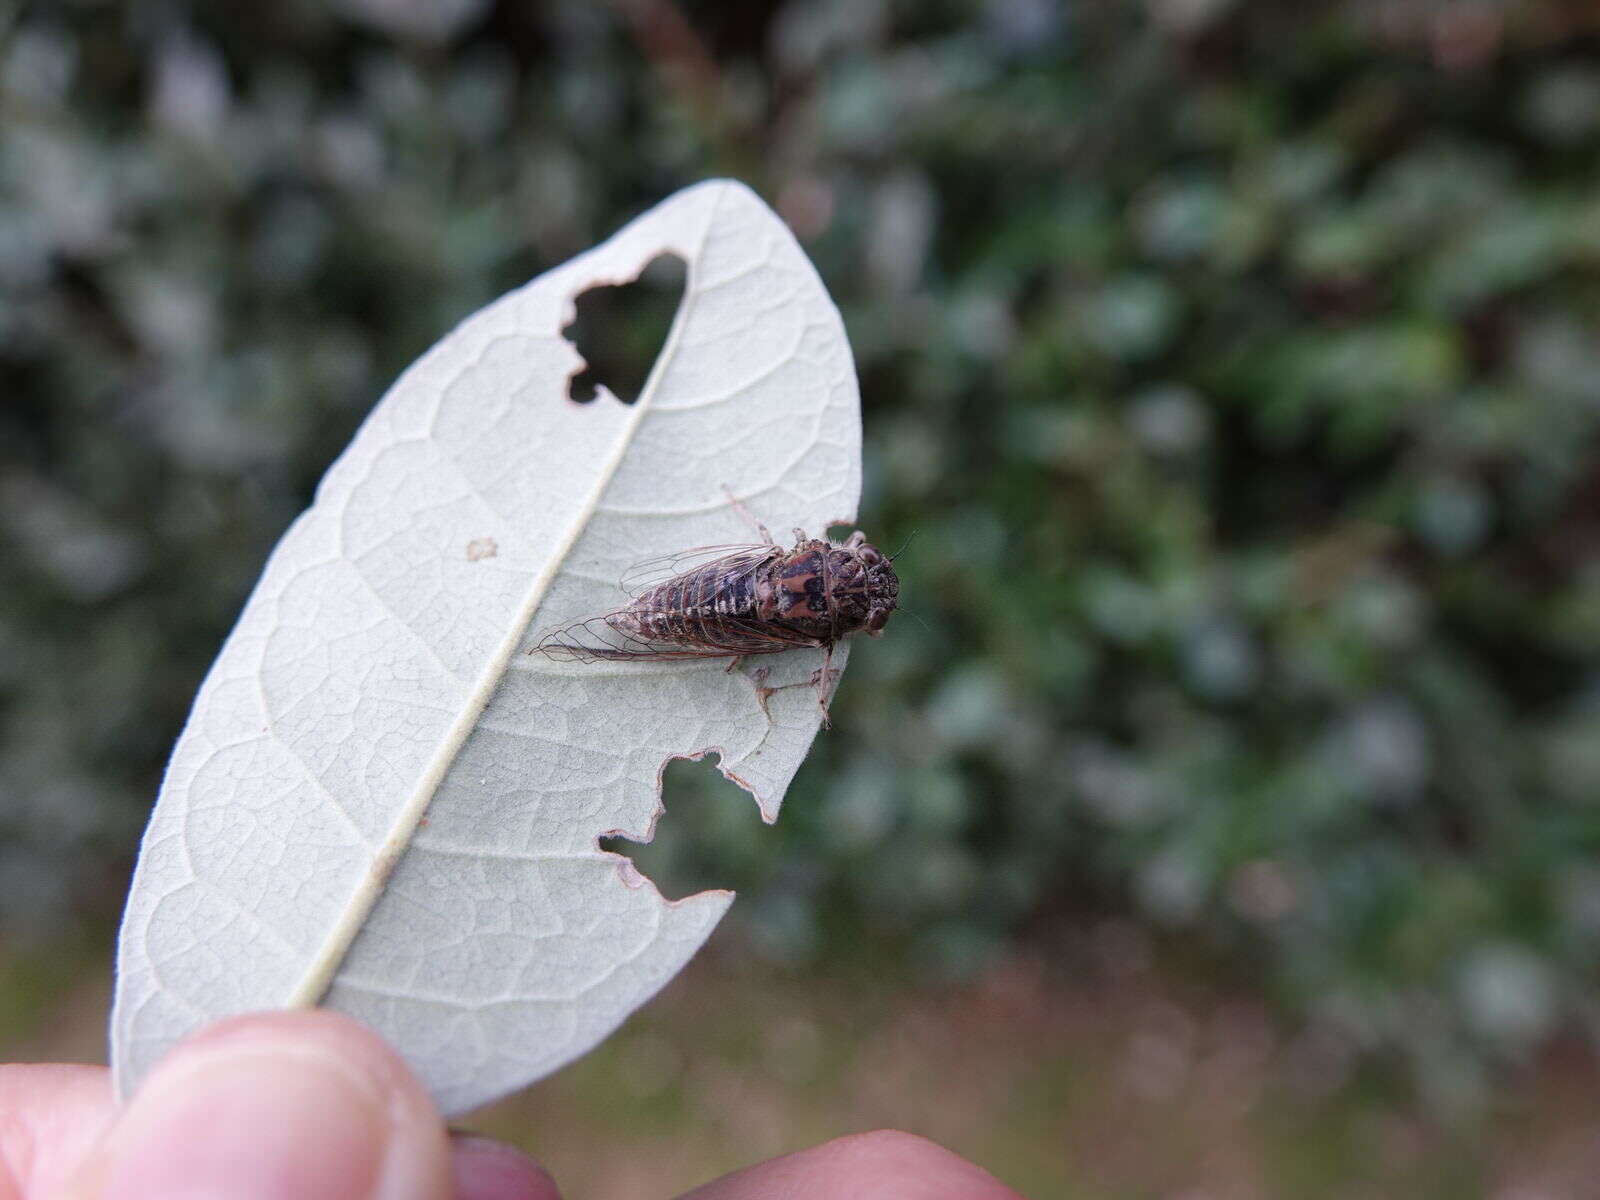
738,507
822,680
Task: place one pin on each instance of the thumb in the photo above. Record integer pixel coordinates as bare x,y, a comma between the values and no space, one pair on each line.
306,1105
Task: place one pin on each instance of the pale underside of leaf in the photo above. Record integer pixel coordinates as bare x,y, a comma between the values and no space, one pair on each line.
381,801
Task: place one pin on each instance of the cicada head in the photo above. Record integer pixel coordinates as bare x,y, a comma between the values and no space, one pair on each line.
882,586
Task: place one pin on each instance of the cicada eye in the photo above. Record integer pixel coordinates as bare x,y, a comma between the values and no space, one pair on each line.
870,555
877,620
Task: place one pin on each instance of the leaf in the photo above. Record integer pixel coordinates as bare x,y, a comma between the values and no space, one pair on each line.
381,802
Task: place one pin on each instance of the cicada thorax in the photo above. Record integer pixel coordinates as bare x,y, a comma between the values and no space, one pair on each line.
816,589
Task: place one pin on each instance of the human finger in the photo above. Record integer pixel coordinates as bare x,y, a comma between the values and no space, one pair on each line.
883,1165
303,1105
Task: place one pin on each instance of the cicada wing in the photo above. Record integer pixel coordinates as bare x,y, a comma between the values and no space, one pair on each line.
651,572
728,637
589,639
771,638
612,636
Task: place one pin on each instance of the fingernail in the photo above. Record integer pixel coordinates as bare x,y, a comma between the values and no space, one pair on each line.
485,1169
251,1122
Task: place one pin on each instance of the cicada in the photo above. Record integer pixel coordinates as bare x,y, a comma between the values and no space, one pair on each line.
737,601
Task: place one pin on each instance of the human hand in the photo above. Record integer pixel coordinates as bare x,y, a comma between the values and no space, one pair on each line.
312,1106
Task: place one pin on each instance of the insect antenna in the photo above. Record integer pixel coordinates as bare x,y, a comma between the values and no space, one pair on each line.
903,546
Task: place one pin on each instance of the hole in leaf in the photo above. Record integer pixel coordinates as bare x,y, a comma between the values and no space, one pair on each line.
620,328
710,836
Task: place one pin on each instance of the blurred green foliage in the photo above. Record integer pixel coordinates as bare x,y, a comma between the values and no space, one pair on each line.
1235,363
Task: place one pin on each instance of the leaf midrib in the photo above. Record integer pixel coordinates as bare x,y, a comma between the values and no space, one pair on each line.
330,955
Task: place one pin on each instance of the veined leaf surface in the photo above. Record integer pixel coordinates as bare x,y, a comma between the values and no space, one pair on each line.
381,802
